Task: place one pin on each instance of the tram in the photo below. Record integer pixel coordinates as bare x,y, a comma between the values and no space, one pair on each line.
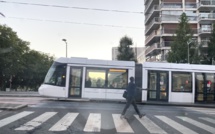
107,80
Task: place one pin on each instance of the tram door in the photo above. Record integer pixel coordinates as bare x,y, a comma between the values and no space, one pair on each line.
205,86
75,81
158,85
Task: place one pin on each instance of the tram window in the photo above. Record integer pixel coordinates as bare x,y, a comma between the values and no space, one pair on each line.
95,78
106,78
56,75
181,82
117,78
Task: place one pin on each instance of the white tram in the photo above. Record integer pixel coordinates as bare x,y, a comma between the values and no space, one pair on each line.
102,79
85,78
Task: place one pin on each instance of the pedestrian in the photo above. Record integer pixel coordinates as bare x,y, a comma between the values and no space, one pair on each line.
130,99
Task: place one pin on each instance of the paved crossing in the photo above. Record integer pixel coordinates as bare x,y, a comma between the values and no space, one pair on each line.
93,123
209,111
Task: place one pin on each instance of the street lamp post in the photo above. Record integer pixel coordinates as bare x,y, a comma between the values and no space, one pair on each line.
188,50
66,45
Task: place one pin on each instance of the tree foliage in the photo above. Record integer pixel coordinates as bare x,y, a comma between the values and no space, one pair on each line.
20,66
211,47
125,52
182,44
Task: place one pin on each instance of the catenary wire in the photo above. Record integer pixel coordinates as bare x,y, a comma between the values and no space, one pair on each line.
81,8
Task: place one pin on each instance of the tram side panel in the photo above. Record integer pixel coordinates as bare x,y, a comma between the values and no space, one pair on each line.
105,93
144,84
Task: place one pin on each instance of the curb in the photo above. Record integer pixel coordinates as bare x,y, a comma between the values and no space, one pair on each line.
14,108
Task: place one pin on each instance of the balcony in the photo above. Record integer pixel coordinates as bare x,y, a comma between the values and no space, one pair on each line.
206,5
153,49
154,24
171,5
189,5
171,31
176,18
155,35
206,18
205,32
150,4
166,44
154,12
204,43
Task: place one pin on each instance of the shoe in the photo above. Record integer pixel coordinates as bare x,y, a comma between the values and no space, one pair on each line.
122,117
141,115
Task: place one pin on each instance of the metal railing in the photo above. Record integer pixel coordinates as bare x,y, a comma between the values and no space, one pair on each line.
204,43
206,16
190,5
206,3
204,30
166,43
171,5
155,8
154,33
152,47
173,31
154,20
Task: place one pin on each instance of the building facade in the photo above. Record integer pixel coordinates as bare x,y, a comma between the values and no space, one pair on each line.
162,18
139,53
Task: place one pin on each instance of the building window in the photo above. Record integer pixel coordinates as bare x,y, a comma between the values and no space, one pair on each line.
181,82
106,78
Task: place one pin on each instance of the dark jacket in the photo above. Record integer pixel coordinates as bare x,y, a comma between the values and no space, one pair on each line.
131,90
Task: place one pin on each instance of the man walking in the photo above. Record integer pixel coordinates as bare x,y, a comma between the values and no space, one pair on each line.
131,92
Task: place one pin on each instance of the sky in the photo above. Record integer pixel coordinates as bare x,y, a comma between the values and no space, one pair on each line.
91,27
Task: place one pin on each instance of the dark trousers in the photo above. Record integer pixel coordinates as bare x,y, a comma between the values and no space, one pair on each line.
130,100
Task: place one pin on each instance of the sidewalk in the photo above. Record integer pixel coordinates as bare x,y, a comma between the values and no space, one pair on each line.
9,106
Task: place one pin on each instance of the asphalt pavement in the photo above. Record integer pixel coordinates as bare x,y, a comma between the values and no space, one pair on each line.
14,106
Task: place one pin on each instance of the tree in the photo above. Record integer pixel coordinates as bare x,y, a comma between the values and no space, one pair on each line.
211,47
10,61
20,66
125,52
36,66
182,44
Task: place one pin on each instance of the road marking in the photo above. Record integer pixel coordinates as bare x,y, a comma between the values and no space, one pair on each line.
93,123
208,119
198,124
121,125
36,121
64,123
13,118
176,125
202,110
150,126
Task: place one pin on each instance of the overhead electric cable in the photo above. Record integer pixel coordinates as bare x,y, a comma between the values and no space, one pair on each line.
81,8
72,22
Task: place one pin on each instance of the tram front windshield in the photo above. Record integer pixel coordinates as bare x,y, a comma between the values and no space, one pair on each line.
56,75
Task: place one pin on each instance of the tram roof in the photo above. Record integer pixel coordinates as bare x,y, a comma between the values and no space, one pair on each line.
178,66
79,60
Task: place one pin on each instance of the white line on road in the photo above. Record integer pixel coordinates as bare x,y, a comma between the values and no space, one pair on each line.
176,125
198,124
37,121
64,123
13,118
93,123
208,119
150,126
121,125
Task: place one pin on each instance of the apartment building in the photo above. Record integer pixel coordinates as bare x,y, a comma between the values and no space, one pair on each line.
162,18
